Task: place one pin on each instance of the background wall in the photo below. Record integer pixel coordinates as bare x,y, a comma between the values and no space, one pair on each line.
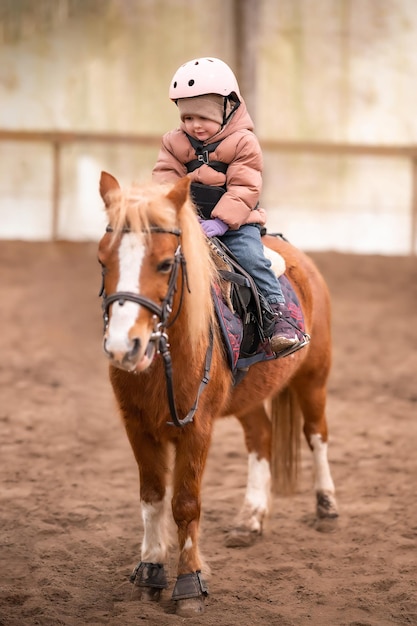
312,71
344,72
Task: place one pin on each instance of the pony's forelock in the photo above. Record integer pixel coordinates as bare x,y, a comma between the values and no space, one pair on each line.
141,206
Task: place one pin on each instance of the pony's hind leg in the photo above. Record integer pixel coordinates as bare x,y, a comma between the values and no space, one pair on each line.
248,524
311,396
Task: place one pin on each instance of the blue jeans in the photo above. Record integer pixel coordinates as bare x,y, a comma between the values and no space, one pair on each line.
246,245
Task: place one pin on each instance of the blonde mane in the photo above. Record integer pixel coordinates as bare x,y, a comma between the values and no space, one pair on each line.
142,206
201,273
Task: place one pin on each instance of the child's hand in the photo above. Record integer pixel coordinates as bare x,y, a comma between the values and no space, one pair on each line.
214,228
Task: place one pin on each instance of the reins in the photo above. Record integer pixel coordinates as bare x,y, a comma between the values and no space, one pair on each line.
162,312
164,350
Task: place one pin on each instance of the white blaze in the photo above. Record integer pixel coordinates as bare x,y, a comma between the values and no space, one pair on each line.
131,253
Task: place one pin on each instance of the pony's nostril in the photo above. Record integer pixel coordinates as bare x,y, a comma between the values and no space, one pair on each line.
135,349
109,353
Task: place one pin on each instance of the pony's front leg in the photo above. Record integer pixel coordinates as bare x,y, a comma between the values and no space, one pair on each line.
149,575
248,523
191,453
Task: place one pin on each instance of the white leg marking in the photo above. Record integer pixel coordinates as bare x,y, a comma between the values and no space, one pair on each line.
256,502
188,544
323,480
155,537
131,253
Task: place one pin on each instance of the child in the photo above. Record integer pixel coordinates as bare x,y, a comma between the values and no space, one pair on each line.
216,146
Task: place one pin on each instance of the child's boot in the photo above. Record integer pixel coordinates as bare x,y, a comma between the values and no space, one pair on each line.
284,335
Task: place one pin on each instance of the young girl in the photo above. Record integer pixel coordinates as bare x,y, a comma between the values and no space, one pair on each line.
216,146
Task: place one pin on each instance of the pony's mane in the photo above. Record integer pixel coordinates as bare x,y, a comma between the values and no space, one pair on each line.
142,206
139,207
201,273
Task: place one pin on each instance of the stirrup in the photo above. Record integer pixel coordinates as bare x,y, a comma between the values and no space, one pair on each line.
297,346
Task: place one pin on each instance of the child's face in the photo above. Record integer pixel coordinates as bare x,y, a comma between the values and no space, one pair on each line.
200,127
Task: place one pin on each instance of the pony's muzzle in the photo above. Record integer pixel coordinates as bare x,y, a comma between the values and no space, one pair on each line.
121,358
133,360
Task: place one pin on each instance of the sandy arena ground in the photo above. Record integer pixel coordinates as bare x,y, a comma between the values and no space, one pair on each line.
69,507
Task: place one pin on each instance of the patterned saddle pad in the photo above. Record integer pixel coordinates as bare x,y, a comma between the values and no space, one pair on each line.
244,340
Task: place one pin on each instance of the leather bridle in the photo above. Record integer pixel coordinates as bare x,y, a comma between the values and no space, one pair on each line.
162,314
162,311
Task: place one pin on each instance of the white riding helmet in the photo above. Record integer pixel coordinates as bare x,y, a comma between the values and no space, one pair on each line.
203,76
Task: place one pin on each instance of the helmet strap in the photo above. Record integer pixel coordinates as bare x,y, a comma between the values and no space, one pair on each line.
226,118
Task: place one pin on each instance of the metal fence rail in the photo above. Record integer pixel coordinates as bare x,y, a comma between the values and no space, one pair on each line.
58,139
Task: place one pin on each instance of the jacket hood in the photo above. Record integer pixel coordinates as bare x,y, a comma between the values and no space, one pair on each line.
240,120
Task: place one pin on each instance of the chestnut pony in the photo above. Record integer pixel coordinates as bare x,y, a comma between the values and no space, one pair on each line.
171,378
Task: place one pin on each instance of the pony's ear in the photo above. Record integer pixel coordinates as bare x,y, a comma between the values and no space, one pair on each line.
107,183
180,192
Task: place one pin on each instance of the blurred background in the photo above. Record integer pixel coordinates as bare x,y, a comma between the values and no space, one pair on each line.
330,84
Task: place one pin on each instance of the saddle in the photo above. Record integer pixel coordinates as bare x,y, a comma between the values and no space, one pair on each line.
245,317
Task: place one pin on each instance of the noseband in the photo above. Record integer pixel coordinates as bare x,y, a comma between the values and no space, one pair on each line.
162,313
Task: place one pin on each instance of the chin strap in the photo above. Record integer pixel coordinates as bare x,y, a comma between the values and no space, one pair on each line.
235,107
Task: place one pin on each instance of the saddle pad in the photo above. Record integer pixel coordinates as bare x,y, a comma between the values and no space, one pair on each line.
232,327
292,302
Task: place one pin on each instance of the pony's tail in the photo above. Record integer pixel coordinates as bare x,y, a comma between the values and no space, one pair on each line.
286,438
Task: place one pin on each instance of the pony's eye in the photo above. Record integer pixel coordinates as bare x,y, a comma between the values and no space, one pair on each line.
165,266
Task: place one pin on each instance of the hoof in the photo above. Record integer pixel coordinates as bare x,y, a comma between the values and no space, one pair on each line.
326,524
149,594
327,515
149,580
326,505
190,607
189,594
241,538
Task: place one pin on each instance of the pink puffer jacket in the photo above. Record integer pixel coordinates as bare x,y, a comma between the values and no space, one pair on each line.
239,148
